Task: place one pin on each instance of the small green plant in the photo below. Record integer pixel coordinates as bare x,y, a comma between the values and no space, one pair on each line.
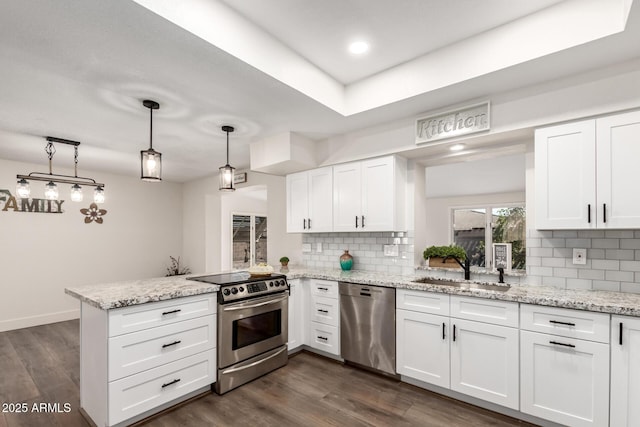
444,252
284,260
174,269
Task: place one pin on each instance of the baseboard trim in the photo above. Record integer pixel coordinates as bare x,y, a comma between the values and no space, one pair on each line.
41,319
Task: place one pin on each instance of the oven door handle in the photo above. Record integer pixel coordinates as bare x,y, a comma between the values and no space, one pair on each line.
251,365
275,301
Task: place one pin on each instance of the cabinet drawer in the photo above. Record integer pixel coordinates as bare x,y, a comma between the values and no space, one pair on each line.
423,302
324,337
324,288
565,322
139,393
325,310
142,350
144,316
502,313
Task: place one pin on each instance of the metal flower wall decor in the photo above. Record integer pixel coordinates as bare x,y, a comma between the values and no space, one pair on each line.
93,214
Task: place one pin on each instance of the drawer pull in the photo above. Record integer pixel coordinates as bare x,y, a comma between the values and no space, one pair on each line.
604,212
556,322
322,289
443,328
171,383
454,332
322,311
364,295
323,338
562,344
172,311
169,345
589,214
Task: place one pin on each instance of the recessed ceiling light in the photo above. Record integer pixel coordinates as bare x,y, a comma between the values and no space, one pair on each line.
359,47
456,147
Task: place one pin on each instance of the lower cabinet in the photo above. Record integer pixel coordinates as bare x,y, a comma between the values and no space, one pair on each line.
625,371
139,359
563,378
322,316
296,320
477,358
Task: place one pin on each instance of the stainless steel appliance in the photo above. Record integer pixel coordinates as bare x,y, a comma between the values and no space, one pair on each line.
252,326
368,326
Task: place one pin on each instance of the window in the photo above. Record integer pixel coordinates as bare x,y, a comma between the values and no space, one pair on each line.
476,229
249,240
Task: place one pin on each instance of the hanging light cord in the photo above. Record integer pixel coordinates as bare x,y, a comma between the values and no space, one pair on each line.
75,161
50,150
151,128
227,148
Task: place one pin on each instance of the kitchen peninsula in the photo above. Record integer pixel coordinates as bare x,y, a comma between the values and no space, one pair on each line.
128,309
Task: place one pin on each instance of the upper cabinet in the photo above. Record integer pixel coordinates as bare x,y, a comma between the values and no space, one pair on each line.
370,195
310,201
360,196
582,174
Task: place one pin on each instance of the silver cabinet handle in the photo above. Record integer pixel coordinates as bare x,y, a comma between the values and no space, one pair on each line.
251,365
255,305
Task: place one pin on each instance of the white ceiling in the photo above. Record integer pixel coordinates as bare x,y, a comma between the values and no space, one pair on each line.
79,69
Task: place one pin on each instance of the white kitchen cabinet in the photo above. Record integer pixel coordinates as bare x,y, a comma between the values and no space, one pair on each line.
565,379
581,173
422,347
323,316
484,350
296,312
310,201
625,371
140,359
369,195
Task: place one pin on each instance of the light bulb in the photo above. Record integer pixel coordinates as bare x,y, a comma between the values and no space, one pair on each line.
22,189
98,195
151,163
76,193
51,191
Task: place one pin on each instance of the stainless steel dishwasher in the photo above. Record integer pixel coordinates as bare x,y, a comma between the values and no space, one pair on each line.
368,326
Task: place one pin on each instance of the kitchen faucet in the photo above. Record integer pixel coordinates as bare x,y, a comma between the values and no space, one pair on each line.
501,277
466,265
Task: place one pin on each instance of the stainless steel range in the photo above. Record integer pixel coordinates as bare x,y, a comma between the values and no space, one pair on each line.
252,326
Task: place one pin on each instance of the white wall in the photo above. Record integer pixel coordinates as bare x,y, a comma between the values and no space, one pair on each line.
202,224
41,254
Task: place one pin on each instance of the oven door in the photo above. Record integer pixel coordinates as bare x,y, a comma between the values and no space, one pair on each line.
252,327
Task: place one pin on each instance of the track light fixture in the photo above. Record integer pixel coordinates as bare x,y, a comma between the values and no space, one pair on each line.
23,189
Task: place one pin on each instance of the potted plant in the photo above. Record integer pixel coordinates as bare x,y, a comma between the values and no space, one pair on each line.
284,261
444,256
175,270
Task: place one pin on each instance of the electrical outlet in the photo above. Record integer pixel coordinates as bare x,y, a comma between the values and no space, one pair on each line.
579,256
390,250
306,247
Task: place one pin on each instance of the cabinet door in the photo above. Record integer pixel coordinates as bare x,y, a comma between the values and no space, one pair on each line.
347,197
297,202
484,361
378,191
296,323
618,151
625,371
565,176
320,200
423,347
565,380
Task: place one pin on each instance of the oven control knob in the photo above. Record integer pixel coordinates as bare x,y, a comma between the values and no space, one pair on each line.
234,290
241,289
226,292
280,283
271,284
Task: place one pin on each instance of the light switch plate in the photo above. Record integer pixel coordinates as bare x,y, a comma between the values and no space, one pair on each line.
390,250
579,256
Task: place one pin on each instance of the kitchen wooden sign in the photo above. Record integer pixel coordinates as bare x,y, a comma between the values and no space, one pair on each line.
463,121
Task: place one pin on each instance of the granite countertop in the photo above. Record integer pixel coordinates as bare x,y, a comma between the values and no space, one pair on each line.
122,294
599,301
133,292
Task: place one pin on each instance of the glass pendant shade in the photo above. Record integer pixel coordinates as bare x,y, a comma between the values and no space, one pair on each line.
151,165
98,195
226,178
22,189
51,191
76,193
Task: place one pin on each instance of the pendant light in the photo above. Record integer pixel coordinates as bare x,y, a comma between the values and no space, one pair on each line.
227,171
150,160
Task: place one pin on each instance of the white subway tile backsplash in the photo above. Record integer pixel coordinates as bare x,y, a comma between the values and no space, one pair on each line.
591,234
630,265
555,282
578,243
602,264
595,253
621,276
552,262
621,254
603,285
619,234
565,272
562,252
591,274
630,287
570,234
541,271
552,243
540,252
578,284
605,243
630,244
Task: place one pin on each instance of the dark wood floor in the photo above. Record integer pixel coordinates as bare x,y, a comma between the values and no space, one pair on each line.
41,365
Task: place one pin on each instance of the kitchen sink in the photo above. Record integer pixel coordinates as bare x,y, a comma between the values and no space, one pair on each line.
503,287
